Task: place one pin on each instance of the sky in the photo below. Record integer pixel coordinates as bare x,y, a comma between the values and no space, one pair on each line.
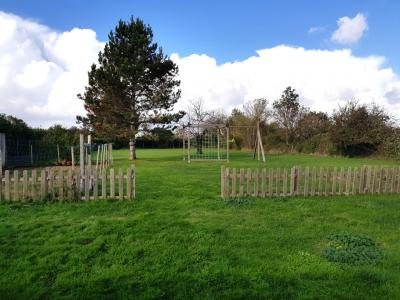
228,52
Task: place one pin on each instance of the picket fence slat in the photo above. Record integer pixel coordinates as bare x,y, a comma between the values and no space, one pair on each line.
309,181
263,182
285,182
65,185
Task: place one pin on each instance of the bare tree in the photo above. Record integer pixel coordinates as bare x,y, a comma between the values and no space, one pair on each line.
199,117
196,112
257,110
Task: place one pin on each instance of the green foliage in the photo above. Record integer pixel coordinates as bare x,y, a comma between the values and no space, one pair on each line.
133,84
288,112
352,249
239,202
359,129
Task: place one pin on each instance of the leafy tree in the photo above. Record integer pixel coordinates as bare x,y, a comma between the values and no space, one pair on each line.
287,112
14,127
311,124
133,85
57,134
359,129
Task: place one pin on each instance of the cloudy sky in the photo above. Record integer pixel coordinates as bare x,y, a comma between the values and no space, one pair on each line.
330,51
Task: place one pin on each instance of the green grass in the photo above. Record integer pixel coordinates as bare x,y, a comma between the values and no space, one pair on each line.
179,240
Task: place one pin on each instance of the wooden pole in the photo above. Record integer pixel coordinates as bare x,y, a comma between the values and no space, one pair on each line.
183,143
261,147
31,155
1,162
111,157
72,157
188,151
97,157
58,154
227,144
81,161
218,132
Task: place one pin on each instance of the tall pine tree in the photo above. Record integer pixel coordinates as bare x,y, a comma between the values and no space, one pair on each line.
133,85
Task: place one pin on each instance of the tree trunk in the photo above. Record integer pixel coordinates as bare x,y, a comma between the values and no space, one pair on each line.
132,150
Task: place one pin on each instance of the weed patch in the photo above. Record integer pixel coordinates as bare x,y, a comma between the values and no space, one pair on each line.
351,249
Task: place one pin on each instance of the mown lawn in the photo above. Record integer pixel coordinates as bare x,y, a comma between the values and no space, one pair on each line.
179,240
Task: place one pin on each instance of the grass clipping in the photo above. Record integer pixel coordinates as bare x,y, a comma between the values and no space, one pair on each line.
351,249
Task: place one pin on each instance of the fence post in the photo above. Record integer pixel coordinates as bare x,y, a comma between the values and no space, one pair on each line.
298,181
271,182
7,185
16,185
103,184
81,162
95,185
256,182
285,181
234,182
1,180
34,182
292,180
320,179
313,181
241,182
278,182
61,185
129,183
43,181
248,182
334,178
120,184
226,184
306,181
87,184
24,185
112,184
328,181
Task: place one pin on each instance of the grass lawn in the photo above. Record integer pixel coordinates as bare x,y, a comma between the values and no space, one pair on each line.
179,240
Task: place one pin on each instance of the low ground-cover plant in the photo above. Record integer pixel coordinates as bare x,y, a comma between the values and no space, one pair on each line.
352,249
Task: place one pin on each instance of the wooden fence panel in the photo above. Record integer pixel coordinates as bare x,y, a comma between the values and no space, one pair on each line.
311,182
61,185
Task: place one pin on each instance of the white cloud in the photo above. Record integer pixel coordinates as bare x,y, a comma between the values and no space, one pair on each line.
42,71
350,30
323,78
315,29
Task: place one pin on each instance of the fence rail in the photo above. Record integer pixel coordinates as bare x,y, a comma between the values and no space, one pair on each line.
306,181
67,184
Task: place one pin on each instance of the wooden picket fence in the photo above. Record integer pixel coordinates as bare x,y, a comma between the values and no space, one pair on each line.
306,181
67,184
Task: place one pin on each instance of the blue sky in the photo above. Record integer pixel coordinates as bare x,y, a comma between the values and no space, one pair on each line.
228,52
227,30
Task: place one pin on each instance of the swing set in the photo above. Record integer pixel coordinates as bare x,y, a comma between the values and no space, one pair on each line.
208,142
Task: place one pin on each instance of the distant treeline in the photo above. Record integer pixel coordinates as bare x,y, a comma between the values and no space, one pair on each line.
354,129
19,133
